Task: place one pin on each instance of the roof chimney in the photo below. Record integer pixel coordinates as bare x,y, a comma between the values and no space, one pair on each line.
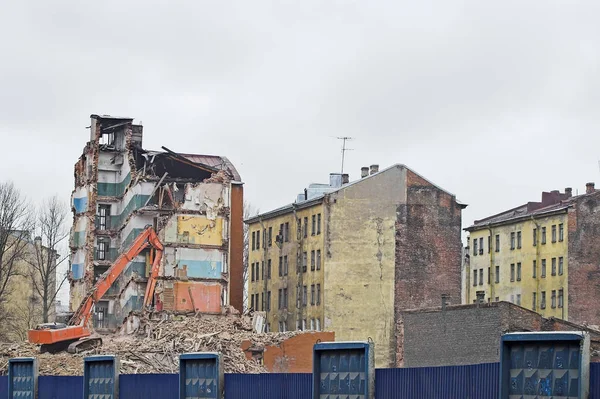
345,178
335,180
569,192
374,169
589,188
364,171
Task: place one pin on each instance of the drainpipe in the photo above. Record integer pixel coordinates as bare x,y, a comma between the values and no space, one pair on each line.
299,272
538,266
265,274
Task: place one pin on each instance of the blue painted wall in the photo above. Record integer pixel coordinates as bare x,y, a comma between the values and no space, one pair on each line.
201,268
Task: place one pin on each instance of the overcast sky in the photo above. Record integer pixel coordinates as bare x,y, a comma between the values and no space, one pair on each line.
494,101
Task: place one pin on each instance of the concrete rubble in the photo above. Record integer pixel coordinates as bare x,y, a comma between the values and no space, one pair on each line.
154,346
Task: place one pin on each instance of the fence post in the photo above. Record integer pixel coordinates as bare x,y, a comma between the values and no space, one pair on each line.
200,375
22,378
101,377
344,368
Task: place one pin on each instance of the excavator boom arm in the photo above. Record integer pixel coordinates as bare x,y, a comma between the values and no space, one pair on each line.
143,241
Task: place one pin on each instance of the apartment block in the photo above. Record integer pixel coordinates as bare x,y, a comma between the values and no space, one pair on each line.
543,256
347,257
193,201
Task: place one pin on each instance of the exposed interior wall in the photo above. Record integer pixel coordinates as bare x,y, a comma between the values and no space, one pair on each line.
236,247
359,257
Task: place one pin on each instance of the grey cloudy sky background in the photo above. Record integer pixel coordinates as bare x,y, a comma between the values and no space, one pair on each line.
494,101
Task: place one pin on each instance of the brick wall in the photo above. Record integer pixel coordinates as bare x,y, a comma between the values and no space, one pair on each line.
584,259
428,249
294,355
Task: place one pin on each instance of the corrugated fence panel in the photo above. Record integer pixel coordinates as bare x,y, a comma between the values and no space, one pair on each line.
594,380
149,386
268,386
59,387
473,382
3,386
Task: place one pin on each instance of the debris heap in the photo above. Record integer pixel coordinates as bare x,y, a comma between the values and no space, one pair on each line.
155,346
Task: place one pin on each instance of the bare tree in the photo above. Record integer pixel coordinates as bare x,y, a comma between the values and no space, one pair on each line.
249,211
51,231
15,229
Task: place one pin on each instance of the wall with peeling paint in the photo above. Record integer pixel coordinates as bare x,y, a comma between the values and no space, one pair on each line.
359,261
189,229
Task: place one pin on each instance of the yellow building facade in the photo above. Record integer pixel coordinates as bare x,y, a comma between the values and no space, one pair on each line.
521,257
286,262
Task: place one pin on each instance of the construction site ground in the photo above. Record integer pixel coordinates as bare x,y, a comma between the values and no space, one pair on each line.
154,347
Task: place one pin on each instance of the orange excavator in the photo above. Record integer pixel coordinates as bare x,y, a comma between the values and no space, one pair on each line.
76,335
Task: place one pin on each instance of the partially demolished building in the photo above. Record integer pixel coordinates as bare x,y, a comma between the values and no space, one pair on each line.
194,202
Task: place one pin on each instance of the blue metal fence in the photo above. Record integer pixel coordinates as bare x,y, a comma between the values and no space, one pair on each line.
58,387
268,386
452,382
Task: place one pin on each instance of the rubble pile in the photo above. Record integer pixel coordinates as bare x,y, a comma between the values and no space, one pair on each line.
155,346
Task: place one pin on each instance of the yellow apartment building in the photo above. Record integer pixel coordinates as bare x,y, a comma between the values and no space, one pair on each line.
536,256
343,257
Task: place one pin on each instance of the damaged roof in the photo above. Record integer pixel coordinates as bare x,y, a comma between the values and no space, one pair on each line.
214,161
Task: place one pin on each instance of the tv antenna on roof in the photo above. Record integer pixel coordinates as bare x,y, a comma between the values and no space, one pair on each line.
344,149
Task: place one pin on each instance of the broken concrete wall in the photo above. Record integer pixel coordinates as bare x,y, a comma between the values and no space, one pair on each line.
192,229
194,263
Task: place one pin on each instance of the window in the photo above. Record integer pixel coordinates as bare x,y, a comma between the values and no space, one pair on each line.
480,245
512,240
560,298
286,232
318,324
553,301
561,232
262,269
268,300
312,294
554,266
252,301
518,271
285,265
312,260
543,268
262,301
534,268
269,269
312,324
285,297
318,294
474,277
103,215
489,275
305,231
561,266
512,298
304,296
280,266
512,272
319,224
543,235
264,238
480,276
280,301
534,237
313,230
103,245
270,236
303,324
497,274
475,247
258,239
318,259
304,261
282,326
252,277
533,305
543,300
553,233
497,242
497,299
280,236
519,299
489,244
518,240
